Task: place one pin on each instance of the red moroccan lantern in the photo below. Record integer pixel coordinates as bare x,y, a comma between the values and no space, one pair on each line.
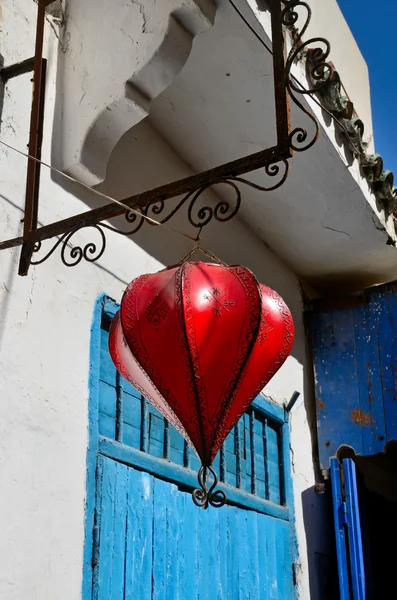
200,341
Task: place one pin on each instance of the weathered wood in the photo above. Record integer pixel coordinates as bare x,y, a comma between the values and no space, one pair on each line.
368,379
386,304
355,361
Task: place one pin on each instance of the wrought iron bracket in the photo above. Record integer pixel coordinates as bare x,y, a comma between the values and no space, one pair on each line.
274,160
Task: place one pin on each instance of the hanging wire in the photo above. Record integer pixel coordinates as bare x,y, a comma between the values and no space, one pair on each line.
197,240
197,248
97,192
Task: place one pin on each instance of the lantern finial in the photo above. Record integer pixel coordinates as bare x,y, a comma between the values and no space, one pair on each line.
206,495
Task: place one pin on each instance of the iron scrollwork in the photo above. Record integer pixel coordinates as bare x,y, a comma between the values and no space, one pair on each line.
319,69
205,496
73,255
198,216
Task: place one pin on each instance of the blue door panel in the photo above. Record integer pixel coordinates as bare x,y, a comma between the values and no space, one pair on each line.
355,363
153,543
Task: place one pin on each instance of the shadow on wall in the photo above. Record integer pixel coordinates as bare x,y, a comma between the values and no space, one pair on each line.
320,540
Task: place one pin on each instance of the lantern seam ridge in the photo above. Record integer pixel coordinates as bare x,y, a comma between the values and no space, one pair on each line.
244,275
184,285
119,366
154,377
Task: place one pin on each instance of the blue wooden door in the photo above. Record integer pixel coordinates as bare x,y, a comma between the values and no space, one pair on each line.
355,361
150,542
349,544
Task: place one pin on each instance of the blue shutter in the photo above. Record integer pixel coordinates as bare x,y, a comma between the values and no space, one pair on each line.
349,545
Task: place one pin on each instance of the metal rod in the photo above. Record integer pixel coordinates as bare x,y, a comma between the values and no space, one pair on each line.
164,192
280,438
27,249
290,405
35,142
253,452
186,455
238,455
266,459
20,68
119,407
280,89
167,442
144,425
222,463
30,219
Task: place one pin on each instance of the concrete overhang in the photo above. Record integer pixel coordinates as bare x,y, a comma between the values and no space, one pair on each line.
323,222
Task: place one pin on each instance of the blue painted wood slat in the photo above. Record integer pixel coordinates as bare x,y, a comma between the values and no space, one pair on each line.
387,339
138,559
354,531
155,544
339,525
369,380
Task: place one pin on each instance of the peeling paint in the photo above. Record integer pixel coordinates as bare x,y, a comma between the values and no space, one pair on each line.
361,418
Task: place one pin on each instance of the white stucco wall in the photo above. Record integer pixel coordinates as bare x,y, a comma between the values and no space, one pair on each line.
45,337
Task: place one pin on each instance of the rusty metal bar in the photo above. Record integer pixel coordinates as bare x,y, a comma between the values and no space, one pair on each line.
35,141
20,68
164,192
283,112
32,194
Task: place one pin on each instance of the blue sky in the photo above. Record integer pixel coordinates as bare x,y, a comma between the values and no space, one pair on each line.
374,26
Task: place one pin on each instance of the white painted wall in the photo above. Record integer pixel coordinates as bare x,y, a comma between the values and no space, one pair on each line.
45,335
142,47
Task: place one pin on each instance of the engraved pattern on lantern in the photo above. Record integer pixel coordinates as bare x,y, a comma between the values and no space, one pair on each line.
156,310
217,302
